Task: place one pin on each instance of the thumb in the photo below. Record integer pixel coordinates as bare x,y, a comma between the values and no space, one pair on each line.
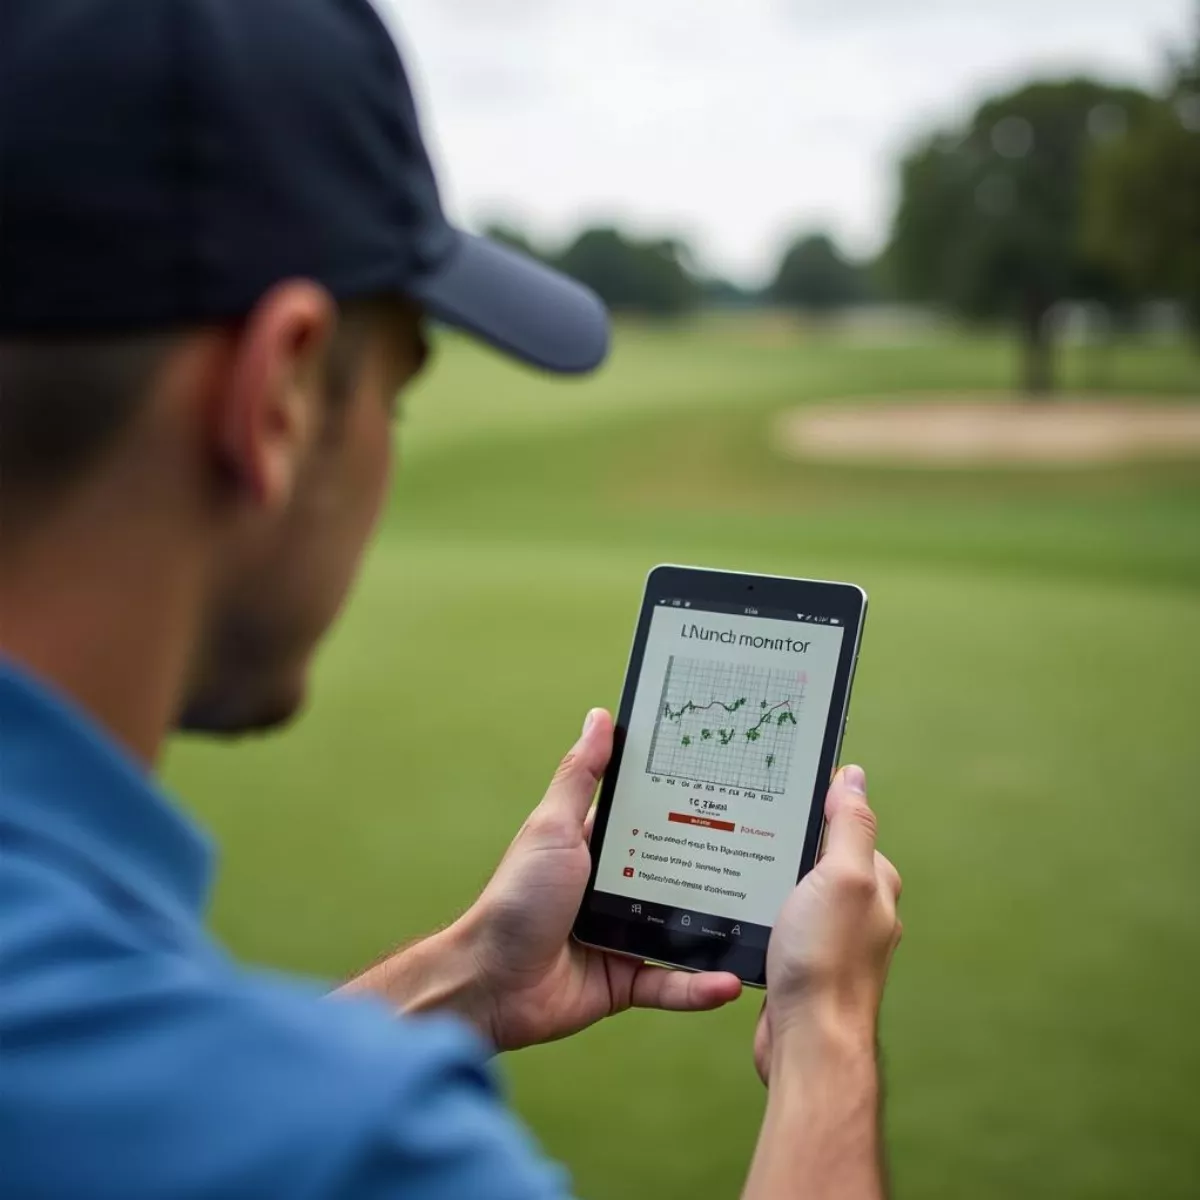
574,784
851,823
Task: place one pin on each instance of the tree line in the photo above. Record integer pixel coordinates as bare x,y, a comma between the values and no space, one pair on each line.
1060,190
658,277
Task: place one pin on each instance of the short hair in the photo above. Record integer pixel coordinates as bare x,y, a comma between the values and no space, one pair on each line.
65,402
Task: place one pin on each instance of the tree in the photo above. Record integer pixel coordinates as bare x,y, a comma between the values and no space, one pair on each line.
1142,217
633,275
815,277
989,215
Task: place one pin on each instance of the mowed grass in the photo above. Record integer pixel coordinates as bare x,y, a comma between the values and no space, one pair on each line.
1028,708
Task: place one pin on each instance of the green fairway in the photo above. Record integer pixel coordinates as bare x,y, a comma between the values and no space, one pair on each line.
1027,708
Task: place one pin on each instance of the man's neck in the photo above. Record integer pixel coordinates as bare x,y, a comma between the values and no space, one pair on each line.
105,617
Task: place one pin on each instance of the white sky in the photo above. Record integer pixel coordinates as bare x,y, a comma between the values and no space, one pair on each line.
735,122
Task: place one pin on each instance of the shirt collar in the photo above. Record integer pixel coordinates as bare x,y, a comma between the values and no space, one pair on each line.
64,779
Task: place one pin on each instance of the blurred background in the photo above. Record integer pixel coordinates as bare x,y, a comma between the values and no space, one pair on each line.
907,293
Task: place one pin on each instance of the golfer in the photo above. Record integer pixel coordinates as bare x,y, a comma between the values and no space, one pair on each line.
220,239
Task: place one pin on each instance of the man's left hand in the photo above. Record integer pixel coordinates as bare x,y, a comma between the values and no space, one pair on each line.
510,964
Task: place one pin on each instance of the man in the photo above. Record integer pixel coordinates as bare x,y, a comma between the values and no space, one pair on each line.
219,237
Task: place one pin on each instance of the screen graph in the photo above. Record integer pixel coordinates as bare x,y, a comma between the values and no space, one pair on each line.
728,724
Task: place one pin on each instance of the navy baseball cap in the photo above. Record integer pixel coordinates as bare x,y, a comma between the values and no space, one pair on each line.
164,162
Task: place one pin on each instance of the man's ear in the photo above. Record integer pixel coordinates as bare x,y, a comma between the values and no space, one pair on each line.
269,411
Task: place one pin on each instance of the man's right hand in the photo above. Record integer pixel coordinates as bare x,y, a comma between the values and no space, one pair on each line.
815,1045
832,944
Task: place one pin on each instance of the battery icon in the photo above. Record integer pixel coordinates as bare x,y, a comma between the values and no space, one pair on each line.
834,621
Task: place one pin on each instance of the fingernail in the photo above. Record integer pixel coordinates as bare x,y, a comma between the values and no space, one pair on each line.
588,721
855,779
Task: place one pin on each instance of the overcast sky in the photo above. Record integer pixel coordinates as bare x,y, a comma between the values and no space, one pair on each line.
735,122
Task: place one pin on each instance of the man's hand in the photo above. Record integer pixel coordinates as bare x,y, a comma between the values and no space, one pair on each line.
826,965
833,942
509,963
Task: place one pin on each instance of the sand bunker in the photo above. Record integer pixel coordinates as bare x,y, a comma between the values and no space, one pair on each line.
963,430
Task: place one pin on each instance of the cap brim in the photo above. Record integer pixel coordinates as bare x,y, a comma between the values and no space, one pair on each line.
518,305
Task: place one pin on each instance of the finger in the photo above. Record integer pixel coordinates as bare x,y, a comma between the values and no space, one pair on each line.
850,835
569,796
888,876
681,991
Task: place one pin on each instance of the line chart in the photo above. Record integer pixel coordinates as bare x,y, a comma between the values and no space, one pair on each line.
728,724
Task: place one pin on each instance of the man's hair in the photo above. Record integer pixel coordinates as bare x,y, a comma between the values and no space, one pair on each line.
65,402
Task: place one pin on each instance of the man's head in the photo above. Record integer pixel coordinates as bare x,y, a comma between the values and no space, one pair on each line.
221,230
267,439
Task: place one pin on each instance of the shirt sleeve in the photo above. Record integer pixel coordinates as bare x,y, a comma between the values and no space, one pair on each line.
442,1131
170,1075
407,1108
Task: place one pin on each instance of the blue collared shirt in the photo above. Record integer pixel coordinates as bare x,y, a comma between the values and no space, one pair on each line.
137,1060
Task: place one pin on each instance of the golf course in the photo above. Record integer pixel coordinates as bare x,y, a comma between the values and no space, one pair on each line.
1027,708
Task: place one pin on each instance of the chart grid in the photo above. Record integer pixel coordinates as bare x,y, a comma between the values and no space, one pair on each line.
728,724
